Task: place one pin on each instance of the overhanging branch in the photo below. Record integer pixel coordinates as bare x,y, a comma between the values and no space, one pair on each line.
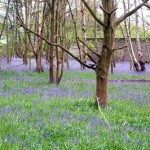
54,44
90,48
123,17
119,48
93,14
147,5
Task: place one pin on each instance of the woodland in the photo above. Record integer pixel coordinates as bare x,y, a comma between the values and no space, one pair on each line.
74,74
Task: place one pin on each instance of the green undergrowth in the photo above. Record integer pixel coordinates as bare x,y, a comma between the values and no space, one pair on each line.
91,75
77,74
31,118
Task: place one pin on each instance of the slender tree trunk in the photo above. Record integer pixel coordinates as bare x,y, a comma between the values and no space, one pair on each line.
52,38
57,40
128,48
137,29
25,56
140,61
113,63
7,37
145,39
7,31
38,57
62,40
95,27
67,45
83,24
129,42
129,26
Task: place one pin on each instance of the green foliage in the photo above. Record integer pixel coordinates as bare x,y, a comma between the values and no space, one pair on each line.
36,115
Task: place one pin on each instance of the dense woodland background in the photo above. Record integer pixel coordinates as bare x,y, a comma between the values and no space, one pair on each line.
74,74
48,29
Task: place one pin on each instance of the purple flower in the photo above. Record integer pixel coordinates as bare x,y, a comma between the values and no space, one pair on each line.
56,89
5,109
29,90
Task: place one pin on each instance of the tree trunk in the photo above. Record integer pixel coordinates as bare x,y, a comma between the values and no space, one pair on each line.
95,27
7,39
57,39
102,77
101,89
139,49
25,53
52,38
129,43
102,68
144,34
137,29
0,63
39,67
25,57
83,24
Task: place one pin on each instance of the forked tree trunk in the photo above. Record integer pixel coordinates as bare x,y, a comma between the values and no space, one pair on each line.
102,68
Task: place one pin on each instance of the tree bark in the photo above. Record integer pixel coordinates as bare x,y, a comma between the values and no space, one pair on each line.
145,39
129,43
52,38
95,27
38,57
102,68
83,24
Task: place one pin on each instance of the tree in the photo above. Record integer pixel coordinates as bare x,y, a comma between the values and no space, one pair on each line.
83,22
102,65
109,24
129,43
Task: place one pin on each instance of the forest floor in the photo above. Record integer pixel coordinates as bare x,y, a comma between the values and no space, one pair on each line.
121,67
37,115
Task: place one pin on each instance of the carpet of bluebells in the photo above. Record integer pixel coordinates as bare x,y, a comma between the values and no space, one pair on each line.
37,115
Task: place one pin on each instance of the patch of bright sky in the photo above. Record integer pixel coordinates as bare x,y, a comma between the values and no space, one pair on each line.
145,10
119,12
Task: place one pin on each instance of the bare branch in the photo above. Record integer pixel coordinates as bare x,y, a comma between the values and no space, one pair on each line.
119,48
113,10
147,5
90,49
75,28
54,44
106,12
5,18
105,46
93,14
123,17
91,58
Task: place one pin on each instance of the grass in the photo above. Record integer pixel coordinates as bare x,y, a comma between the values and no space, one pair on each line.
36,115
91,75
